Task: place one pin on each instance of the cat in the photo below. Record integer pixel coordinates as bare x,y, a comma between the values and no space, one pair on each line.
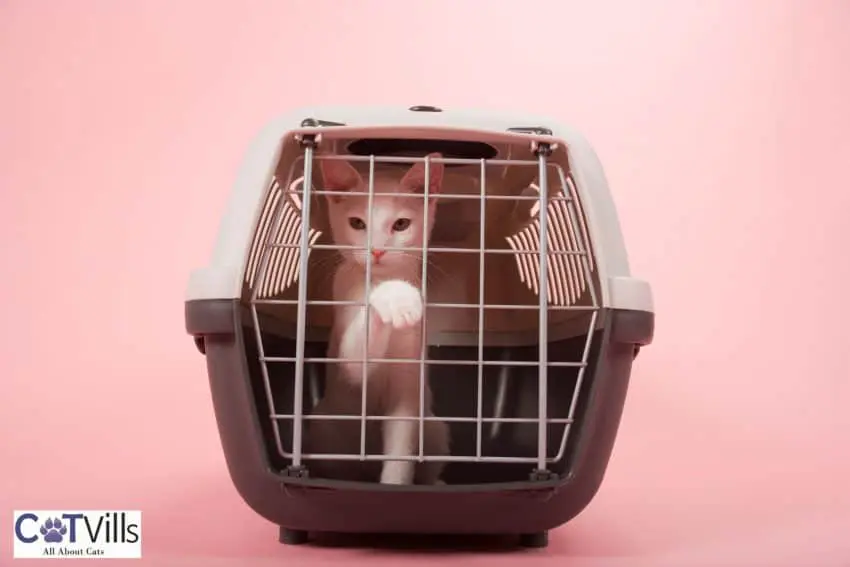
395,328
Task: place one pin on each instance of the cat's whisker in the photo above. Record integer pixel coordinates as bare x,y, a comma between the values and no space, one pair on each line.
434,267
325,266
328,261
325,262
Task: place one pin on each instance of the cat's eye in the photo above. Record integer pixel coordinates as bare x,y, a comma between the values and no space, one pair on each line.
401,224
356,223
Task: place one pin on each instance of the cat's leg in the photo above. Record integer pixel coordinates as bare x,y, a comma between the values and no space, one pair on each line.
395,305
400,440
398,306
352,343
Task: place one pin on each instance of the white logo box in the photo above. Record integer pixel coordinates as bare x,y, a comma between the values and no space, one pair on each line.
77,534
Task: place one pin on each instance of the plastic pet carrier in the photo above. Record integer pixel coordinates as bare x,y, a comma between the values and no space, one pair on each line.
527,355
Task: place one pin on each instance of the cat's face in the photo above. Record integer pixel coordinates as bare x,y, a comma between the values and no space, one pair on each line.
396,221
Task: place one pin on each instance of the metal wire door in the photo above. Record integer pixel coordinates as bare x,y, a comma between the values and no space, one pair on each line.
564,247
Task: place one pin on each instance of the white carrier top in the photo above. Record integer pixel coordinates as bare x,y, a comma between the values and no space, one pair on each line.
223,276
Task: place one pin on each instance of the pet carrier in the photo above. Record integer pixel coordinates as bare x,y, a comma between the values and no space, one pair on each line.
527,355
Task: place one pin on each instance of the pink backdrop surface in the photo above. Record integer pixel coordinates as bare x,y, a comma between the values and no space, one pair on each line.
722,126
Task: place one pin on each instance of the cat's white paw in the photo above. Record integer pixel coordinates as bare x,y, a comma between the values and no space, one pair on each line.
397,303
398,472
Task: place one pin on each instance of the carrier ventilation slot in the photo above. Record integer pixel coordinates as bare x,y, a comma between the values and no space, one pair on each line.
567,279
398,147
283,263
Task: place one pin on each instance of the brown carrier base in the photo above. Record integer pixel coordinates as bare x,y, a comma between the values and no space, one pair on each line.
535,540
514,501
293,537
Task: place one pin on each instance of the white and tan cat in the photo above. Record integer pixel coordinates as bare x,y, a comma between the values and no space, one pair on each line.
395,327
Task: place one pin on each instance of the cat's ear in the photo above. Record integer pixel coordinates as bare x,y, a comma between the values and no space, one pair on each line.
414,179
338,175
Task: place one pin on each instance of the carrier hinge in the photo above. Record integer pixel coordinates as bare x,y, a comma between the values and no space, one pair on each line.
317,122
544,149
536,130
308,140
538,475
296,472
312,140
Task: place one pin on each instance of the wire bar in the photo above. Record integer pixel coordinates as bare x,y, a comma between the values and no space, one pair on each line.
479,411
436,361
510,252
543,294
352,417
438,305
301,321
457,196
410,160
415,458
424,320
367,309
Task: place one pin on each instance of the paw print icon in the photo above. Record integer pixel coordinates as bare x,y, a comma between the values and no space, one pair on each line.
53,530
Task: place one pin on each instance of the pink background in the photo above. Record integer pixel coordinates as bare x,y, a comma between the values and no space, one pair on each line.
723,126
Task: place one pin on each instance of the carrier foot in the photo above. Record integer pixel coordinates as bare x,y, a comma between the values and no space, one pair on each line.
292,537
536,540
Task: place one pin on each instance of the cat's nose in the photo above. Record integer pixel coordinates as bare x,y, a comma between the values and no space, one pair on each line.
378,253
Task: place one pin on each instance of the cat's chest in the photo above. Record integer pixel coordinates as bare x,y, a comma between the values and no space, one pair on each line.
353,287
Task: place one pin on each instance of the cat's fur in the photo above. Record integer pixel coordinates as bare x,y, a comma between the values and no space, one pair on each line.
395,328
